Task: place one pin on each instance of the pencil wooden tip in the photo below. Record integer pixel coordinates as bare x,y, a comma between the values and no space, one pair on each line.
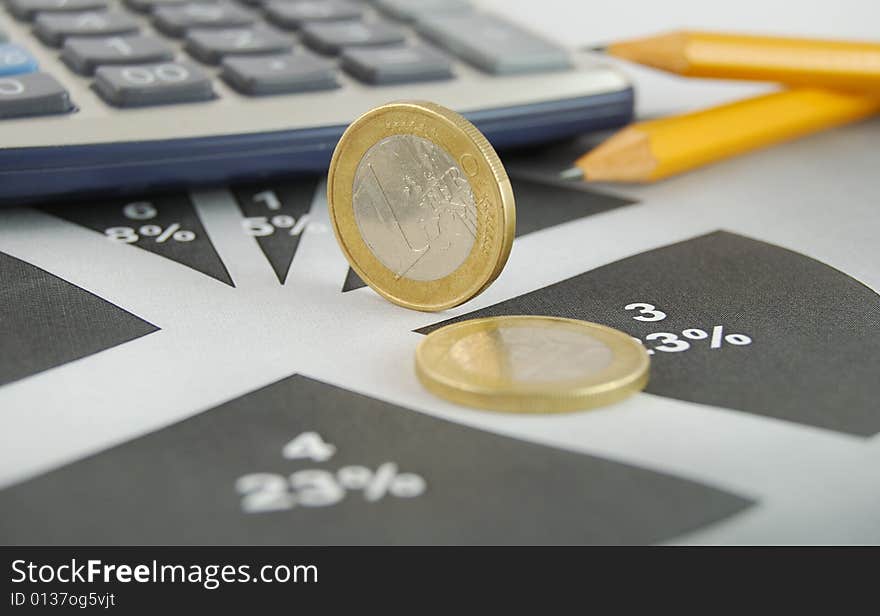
625,157
665,51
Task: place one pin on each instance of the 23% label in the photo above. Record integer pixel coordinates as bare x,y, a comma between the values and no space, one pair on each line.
671,343
266,492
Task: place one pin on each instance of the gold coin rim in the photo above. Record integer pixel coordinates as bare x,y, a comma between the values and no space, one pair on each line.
627,374
489,182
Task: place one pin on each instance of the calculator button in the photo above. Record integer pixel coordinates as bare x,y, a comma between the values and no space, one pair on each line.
15,59
32,94
212,45
283,74
176,20
153,84
385,65
296,14
331,37
410,10
84,55
28,9
493,45
146,6
52,29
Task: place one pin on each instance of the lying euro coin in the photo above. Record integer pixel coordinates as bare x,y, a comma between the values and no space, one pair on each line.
530,364
421,205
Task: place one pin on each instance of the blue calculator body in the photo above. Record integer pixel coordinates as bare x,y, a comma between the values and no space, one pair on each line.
101,96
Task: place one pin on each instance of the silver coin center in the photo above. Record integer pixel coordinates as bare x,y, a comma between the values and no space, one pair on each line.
414,207
531,354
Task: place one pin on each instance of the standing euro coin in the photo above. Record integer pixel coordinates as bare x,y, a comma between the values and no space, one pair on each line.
421,205
531,364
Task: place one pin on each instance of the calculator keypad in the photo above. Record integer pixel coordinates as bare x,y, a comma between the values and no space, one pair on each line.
176,20
332,37
411,10
153,84
32,94
27,10
15,59
281,74
405,64
146,6
211,46
258,46
494,45
293,15
53,28
84,55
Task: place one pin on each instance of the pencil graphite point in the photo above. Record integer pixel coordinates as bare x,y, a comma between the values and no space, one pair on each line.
571,174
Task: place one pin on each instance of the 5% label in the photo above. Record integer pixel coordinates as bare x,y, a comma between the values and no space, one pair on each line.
262,226
145,210
673,342
266,492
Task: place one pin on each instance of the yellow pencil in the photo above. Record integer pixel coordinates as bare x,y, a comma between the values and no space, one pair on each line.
792,61
656,149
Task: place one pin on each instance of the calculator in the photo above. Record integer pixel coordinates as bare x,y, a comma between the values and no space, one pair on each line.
103,96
